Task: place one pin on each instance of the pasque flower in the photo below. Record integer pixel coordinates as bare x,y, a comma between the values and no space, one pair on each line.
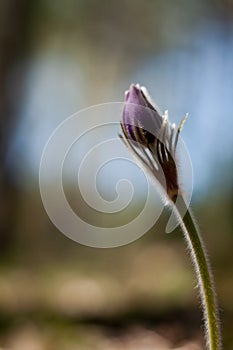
153,140
151,137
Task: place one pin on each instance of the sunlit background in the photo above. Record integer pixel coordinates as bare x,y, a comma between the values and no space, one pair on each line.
57,58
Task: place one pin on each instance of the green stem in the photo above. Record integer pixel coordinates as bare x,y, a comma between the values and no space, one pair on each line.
203,273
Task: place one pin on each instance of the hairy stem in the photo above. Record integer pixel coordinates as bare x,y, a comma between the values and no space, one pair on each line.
203,273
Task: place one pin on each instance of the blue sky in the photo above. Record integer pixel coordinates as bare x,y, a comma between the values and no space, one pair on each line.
196,77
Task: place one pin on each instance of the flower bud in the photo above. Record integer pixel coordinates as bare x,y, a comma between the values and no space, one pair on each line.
152,138
141,120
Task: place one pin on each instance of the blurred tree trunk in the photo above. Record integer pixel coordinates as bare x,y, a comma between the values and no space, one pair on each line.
14,42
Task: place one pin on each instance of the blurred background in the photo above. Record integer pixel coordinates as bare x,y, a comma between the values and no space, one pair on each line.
57,57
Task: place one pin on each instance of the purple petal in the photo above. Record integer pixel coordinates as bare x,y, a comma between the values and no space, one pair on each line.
140,118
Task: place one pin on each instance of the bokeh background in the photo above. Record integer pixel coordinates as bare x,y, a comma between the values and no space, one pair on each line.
57,57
